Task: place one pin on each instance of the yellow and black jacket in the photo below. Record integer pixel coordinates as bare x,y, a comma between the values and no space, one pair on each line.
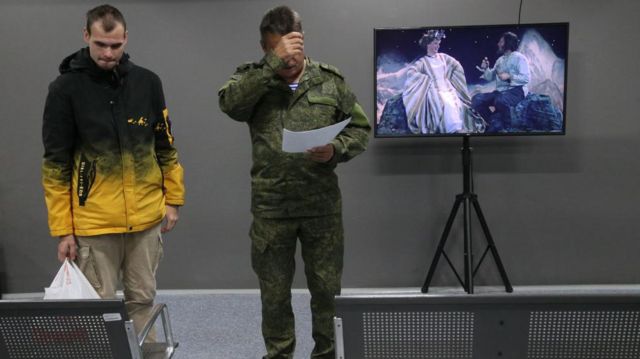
109,163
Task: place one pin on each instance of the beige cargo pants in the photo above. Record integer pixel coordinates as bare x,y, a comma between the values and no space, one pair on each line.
130,257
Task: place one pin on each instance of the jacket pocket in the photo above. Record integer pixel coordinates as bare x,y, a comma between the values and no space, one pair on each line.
322,100
323,109
86,176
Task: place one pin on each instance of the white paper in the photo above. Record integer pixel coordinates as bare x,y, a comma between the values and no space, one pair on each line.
301,141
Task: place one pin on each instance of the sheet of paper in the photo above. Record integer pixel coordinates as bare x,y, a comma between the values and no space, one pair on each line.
303,140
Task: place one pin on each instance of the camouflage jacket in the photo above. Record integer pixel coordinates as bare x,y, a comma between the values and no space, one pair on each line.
289,184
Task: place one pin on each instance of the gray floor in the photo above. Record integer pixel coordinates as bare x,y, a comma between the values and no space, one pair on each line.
227,326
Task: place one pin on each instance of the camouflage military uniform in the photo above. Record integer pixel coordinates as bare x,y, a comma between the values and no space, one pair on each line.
292,196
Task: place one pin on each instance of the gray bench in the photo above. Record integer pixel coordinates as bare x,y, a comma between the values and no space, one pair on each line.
87,329
501,326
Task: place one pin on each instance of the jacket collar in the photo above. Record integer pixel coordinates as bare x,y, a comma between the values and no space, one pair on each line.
81,61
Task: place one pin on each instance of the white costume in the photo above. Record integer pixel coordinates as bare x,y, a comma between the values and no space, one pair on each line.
435,96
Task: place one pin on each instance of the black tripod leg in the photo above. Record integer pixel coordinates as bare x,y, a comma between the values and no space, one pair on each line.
443,240
468,248
492,245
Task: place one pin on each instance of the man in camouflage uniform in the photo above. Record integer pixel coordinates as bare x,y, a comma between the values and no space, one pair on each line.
294,195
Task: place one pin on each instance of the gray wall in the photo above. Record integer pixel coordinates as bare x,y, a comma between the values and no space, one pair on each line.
562,209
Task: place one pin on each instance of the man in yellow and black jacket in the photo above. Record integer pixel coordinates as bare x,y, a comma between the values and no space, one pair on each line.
110,170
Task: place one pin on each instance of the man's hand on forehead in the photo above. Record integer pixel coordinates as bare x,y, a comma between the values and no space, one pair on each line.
290,45
294,34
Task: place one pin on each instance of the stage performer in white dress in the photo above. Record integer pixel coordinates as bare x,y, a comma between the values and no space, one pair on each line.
435,93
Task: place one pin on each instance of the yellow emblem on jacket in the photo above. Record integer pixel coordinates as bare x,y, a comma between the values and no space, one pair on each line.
142,121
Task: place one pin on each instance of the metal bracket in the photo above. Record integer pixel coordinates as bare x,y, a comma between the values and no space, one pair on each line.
337,326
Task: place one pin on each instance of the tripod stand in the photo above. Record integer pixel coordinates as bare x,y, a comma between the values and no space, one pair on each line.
467,198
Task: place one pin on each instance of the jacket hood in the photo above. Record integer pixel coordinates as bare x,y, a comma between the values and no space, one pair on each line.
80,61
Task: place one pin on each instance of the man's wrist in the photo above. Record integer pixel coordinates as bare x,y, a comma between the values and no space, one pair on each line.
337,149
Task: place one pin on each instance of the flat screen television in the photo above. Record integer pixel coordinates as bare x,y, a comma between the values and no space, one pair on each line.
489,80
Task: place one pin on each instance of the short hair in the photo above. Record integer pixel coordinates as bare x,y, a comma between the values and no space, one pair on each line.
280,20
429,36
109,15
510,41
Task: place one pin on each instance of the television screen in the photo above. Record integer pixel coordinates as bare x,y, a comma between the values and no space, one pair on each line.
486,80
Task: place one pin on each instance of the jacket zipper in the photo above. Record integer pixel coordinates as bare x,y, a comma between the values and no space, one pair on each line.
122,159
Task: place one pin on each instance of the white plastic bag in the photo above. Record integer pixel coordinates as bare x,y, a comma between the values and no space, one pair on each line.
70,283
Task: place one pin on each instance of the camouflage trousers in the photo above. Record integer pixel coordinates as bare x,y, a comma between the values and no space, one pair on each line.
272,257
